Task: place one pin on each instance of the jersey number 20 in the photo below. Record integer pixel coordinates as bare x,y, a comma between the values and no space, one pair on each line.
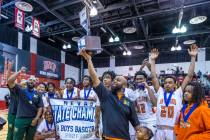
167,111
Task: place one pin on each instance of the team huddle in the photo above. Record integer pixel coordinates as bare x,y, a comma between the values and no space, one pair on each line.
149,111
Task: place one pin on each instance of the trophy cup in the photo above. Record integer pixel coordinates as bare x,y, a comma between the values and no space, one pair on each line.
90,43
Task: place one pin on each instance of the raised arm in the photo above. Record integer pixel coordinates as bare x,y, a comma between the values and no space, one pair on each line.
13,77
193,51
91,68
145,63
151,94
153,57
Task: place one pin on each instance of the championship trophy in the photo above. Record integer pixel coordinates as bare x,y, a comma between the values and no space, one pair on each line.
90,43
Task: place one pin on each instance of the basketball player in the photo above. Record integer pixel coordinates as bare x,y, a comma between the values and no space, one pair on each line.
87,93
144,100
113,102
46,129
70,92
169,100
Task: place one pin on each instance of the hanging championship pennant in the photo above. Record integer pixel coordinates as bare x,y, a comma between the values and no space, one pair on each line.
19,18
36,27
84,19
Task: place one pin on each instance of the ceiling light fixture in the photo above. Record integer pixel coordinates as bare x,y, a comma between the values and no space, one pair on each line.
128,52
93,12
129,30
95,1
76,39
173,48
176,30
183,29
111,40
69,46
117,39
24,6
138,47
198,19
64,47
179,48
28,28
189,42
124,53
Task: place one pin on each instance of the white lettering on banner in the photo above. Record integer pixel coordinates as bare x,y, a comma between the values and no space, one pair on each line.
48,74
52,75
42,73
74,119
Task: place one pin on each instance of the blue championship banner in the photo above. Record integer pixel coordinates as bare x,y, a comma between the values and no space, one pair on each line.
74,119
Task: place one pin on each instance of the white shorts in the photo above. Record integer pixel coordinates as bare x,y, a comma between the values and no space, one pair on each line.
164,134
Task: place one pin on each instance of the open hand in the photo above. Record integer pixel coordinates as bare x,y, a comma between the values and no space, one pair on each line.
154,54
85,54
193,51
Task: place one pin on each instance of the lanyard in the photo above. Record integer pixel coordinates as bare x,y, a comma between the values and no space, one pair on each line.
87,95
29,94
186,117
48,127
72,91
167,100
51,94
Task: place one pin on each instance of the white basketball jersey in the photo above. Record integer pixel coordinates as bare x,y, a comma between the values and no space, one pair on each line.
169,115
143,104
92,95
69,93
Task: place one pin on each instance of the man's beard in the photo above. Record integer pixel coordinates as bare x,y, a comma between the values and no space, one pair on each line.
30,86
116,89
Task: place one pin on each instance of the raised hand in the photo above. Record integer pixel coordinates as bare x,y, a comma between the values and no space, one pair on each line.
154,54
193,51
85,54
144,62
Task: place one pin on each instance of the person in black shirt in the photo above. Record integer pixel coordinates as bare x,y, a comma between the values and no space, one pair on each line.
29,108
117,110
108,77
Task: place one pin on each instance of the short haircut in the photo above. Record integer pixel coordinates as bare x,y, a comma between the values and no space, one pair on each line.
140,73
149,132
90,80
111,73
72,79
170,76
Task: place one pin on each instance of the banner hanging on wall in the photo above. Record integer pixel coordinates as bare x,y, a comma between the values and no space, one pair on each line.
48,68
74,119
19,19
36,27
